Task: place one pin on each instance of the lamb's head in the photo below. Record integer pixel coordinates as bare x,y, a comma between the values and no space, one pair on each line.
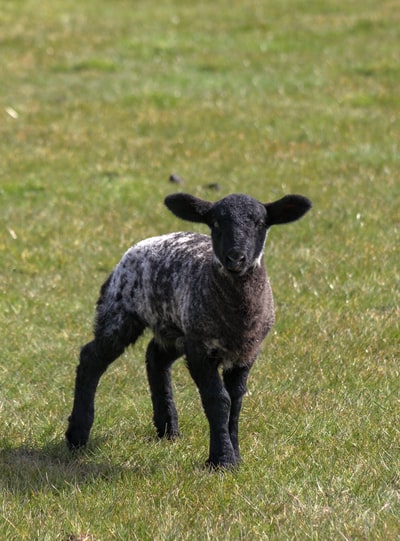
238,224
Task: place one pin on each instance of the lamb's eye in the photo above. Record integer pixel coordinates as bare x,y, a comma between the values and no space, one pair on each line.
260,224
215,224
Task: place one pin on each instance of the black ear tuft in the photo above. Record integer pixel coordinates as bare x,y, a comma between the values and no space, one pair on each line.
288,209
188,207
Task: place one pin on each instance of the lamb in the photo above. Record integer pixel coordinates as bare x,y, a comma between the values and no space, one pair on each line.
208,298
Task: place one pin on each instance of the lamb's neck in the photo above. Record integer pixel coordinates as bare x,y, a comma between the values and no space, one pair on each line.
240,288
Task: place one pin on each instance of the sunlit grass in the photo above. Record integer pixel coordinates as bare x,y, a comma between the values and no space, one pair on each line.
99,103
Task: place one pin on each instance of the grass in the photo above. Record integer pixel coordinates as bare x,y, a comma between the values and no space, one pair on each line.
99,103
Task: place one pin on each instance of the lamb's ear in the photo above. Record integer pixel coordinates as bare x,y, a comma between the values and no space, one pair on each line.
188,207
288,209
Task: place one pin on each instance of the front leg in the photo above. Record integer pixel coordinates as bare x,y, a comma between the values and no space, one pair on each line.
235,382
217,404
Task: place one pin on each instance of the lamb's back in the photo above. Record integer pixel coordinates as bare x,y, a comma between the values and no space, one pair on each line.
158,278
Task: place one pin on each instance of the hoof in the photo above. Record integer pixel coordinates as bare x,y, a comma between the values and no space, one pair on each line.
220,465
168,433
76,438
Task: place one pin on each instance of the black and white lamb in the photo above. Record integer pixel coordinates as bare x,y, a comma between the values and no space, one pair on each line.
208,298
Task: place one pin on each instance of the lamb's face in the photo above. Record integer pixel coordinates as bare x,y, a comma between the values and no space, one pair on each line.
238,231
238,224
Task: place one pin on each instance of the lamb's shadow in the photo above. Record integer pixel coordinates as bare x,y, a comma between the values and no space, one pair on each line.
28,469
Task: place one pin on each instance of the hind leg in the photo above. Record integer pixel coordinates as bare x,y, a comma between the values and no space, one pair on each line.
95,357
158,364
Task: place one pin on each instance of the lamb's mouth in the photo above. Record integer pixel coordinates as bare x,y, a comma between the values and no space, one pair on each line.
236,271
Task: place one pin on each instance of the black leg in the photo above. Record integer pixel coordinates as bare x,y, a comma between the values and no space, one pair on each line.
217,404
90,369
95,357
235,383
158,364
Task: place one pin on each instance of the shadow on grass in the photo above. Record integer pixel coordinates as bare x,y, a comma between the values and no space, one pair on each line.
27,469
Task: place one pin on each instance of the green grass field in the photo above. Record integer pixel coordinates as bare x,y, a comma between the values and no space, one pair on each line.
99,102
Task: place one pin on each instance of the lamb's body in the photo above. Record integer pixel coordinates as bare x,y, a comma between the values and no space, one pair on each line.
153,283
207,298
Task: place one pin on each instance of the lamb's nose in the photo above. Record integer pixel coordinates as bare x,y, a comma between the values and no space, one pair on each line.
234,260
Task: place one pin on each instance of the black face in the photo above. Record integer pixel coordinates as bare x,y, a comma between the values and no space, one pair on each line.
238,230
238,223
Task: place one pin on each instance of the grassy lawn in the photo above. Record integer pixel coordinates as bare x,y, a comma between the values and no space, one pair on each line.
99,102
